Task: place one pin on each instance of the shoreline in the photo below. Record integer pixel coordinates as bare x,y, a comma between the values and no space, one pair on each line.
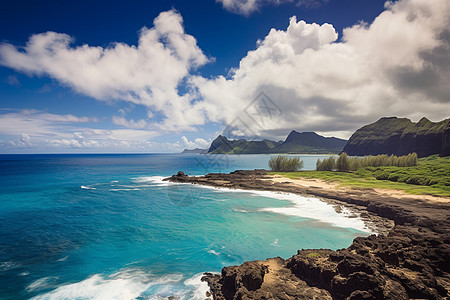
395,264
374,224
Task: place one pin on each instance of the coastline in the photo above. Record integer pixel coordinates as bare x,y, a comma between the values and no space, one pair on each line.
395,264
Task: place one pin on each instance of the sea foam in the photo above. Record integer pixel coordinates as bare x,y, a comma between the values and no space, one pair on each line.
305,207
128,284
154,180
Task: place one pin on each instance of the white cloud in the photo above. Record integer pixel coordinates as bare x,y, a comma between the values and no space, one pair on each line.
139,124
146,74
36,123
197,143
246,7
44,132
398,65
24,141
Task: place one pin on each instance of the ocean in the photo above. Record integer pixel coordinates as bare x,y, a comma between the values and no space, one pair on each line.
107,227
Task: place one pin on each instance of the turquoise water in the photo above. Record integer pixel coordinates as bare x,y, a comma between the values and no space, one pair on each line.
107,227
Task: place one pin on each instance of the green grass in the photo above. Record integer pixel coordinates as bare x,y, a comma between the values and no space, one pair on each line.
431,176
314,254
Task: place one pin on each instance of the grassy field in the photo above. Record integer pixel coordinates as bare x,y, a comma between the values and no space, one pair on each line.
431,176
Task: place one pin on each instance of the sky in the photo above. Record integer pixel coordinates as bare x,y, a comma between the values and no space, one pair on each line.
147,76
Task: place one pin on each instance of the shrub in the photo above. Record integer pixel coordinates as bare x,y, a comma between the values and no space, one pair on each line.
342,163
328,164
283,163
372,163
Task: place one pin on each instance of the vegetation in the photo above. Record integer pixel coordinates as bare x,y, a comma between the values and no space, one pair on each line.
431,171
345,164
342,163
283,163
400,136
296,142
328,164
430,176
314,254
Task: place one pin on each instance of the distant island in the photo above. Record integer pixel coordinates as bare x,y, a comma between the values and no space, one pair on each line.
400,136
196,150
296,142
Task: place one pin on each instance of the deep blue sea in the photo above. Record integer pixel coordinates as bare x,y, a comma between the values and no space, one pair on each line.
107,227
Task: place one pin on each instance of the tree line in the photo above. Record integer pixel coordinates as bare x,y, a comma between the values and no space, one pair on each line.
344,163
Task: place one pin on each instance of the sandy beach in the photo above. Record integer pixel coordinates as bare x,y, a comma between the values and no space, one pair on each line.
333,186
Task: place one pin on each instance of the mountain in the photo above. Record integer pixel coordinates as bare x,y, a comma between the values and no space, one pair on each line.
222,145
401,136
196,150
310,142
296,142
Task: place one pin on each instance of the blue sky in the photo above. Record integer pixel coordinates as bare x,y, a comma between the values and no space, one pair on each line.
161,76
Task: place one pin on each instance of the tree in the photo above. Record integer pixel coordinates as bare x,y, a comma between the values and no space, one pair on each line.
283,163
342,163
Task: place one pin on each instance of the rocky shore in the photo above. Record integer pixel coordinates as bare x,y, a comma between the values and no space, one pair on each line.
409,261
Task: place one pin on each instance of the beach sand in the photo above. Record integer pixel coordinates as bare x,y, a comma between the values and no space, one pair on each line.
333,186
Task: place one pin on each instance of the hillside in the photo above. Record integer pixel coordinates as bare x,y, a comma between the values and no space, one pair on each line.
222,145
196,150
310,142
401,136
296,142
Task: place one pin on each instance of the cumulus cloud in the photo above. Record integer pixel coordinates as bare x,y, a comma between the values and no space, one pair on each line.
146,74
398,65
23,141
129,123
197,143
246,7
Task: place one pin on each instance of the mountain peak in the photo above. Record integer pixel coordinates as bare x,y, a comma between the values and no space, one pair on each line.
296,142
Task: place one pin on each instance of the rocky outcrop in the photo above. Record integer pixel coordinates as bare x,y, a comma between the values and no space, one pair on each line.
410,261
401,137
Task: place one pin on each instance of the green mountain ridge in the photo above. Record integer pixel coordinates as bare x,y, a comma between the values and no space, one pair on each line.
400,136
295,143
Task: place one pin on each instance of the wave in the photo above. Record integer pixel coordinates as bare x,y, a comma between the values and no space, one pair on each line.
87,187
9,265
240,210
275,243
316,209
198,287
63,258
213,252
155,180
130,284
305,207
41,284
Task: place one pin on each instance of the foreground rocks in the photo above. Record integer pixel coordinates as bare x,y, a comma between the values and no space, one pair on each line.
411,261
